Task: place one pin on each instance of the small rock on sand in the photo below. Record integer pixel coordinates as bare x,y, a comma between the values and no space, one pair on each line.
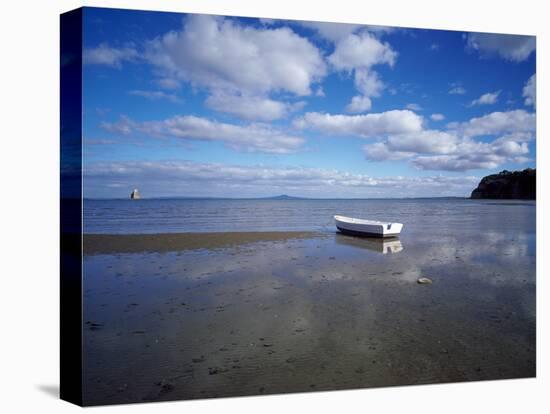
424,281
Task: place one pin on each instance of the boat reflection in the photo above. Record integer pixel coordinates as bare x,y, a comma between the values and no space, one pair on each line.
375,244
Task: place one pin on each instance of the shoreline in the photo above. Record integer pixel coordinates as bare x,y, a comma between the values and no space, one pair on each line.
94,244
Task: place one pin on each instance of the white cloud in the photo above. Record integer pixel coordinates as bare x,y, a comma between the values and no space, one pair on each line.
359,104
276,59
409,145
516,137
334,32
455,150
530,91
366,126
239,66
470,155
109,56
515,48
361,50
463,162
488,98
358,53
426,142
156,95
124,126
252,107
266,21
253,137
413,107
402,137
379,151
498,123
457,90
192,178
476,156
367,82
437,117
331,31
220,54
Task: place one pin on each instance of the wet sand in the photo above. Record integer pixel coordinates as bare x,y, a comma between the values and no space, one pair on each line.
210,315
134,243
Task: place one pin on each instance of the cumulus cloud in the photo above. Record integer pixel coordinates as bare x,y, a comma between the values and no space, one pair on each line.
452,153
427,141
408,145
498,123
366,126
155,95
456,149
437,117
211,51
361,50
488,98
530,91
359,104
369,84
358,53
170,177
380,151
109,56
485,156
252,107
229,60
515,48
253,137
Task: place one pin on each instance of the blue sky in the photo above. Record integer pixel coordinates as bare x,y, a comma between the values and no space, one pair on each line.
198,105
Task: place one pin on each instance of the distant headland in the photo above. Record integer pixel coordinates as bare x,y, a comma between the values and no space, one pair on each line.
520,185
284,197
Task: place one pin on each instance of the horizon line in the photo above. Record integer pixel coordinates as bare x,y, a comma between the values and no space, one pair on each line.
274,198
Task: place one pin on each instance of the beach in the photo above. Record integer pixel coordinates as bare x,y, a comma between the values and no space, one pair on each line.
167,242
198,315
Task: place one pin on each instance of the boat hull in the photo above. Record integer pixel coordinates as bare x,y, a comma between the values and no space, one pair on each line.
364,233
367,228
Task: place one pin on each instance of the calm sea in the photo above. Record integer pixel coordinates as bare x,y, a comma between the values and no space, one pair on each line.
427,216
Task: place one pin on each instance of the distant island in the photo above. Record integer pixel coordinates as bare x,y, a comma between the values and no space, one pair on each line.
284,197
520,185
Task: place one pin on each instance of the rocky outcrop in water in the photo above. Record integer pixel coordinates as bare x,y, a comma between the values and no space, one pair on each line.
508,185
135,195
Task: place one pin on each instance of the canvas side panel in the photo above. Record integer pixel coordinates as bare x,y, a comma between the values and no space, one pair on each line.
71,206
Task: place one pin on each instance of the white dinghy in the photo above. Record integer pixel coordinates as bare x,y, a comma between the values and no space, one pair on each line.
367,228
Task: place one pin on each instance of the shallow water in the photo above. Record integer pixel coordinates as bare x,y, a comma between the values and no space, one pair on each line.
173,215
323,313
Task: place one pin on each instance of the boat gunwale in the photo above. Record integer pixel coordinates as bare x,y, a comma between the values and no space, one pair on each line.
352,220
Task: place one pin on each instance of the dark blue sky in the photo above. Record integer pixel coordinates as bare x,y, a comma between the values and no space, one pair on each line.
201,105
